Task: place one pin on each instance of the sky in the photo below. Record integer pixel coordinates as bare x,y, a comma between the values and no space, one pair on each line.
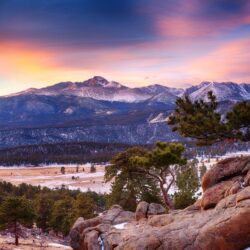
177,43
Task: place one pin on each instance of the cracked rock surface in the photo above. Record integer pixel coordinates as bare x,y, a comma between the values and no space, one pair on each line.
220,220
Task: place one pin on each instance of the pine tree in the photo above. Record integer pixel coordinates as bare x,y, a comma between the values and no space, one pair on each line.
239,120
201,121
160,164
203,170
62,170
92,168
61,215
137,165
84,206
187,183
198,120
129,186
43,206
15,211
77,169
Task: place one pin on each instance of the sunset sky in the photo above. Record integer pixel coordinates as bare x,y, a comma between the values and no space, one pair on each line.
137,42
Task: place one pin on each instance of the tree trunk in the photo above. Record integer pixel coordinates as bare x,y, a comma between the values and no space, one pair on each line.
169,204
16,240
16,234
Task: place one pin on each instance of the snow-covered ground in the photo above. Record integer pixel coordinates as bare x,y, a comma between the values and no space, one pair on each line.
50,176
52,165
209,162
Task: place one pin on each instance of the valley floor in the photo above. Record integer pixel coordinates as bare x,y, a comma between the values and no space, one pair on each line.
51,177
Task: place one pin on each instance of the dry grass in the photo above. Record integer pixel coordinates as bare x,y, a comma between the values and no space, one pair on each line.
51,177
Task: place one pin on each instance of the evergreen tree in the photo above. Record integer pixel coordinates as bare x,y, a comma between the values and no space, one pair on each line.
43,207
187,183
129,186
137,165
84,206
62,170
198,120
239,120
201,121
92,168
61,216
15,211
161,164
203,170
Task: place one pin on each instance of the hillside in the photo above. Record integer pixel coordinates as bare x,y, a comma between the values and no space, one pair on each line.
98,110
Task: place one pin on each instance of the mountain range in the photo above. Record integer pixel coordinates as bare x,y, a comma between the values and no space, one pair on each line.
100,110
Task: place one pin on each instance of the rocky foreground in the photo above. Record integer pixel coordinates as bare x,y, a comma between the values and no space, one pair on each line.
219,220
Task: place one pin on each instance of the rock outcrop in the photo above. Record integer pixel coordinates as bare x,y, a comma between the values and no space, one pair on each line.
219,220
144,210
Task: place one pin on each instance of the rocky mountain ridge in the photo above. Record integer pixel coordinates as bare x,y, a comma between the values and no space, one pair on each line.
100,88
101,111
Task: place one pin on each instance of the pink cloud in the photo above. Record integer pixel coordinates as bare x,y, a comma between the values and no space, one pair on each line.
187,20
229,62
183,27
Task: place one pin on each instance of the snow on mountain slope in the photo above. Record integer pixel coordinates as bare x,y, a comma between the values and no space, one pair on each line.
158,119
164,97
158,89
223,91
101,89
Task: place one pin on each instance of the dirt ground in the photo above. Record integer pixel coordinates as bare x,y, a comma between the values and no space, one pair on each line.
51,176
6,243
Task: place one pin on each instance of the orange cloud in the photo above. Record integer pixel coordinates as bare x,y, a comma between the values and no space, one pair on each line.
23,66
167,62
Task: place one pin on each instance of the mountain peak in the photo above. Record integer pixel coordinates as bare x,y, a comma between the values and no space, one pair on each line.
96,81
222,90
99,81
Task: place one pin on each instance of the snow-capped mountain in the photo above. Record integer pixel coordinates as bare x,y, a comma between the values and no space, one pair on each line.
101,89
101,111
224,91
156,89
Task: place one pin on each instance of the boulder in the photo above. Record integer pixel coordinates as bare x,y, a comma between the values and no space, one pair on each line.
195,206
225,169
124,216
77,232
80,233
243,195
229,201
216,193
112,214
247,179
161,220
141,210
155,209
91,241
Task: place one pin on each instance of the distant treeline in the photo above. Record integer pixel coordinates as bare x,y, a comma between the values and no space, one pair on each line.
82,152
79,152
218,149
